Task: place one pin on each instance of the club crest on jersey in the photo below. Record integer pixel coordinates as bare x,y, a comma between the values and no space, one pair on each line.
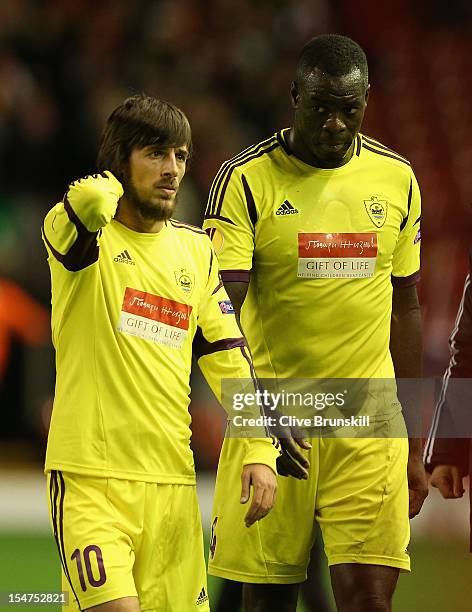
377,210
185,280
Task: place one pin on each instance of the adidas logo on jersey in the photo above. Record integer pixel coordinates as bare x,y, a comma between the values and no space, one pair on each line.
125,258
286,209
202,598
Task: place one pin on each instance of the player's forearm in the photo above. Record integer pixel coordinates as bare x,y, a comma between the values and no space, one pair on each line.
406,342
406,351
237,292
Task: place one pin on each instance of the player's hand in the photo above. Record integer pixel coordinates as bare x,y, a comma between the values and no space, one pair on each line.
264,485
103,182
448,479
417,484
292,462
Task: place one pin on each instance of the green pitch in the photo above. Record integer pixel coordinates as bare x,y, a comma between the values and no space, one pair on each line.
441,582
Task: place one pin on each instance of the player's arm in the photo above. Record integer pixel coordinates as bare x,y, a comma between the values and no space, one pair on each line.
230,220
405,332
222,355
406,350
71,228
291,462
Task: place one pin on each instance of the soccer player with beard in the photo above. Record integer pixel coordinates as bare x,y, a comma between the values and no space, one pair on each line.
134,295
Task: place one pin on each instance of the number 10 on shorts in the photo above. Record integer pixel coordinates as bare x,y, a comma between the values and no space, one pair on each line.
98,562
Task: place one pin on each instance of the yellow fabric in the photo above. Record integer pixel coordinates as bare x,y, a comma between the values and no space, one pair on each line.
123,327
357,492
332,327
146,537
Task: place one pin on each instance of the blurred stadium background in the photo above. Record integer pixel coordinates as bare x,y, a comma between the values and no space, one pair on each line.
65,64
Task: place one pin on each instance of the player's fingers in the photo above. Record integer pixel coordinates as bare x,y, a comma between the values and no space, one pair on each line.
252,513
263,508
457,488
303,443
444,484
289,446
286,466
245,486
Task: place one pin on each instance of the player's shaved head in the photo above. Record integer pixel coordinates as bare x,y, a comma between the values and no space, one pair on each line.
138,122
334,55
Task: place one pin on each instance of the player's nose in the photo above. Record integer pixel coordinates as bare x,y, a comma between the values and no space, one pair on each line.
334,124
170,166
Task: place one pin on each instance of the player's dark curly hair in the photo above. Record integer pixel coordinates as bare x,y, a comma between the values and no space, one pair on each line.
138,122
333,54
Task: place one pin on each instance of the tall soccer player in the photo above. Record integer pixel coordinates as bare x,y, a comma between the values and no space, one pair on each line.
317,234
134,295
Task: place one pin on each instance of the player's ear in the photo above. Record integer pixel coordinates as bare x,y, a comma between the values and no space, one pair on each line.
367,92
294,95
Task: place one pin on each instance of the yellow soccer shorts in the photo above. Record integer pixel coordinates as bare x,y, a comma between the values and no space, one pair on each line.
357,491
119,538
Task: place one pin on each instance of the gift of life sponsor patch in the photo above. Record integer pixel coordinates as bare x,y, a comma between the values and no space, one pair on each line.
154,318
337,255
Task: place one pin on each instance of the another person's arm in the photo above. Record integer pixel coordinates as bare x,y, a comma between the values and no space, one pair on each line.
446,457
230,221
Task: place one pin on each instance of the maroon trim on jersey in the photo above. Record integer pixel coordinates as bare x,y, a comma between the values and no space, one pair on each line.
228,166
84,251
220,218
405,220
406,281
400,159
217,288
211,261
236,276
235,165
192,228
358,145
58,523
251,205
202,347
257,386
378,144
283,143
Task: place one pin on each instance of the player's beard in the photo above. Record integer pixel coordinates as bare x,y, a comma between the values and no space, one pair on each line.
161,210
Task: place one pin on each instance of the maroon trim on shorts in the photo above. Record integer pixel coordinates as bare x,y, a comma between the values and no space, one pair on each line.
59,533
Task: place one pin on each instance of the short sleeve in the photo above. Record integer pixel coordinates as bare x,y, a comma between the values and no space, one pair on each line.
406,257
230,219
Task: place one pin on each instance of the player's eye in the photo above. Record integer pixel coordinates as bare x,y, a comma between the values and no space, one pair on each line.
156,153
182,157
351,110
319,109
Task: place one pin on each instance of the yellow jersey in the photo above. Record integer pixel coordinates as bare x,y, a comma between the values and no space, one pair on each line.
128,311
320,249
